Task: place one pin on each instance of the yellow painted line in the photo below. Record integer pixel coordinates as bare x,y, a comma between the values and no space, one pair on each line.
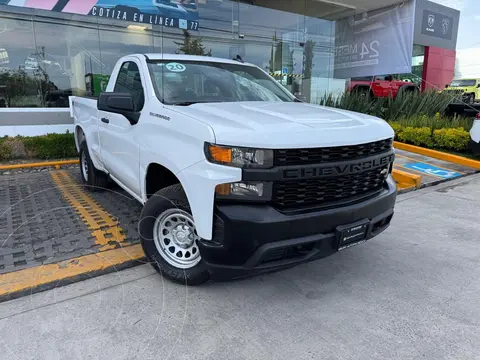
104,226
406,179
40,276
438,155
55,164
426,162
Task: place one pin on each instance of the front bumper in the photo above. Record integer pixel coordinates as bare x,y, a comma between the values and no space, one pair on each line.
251,239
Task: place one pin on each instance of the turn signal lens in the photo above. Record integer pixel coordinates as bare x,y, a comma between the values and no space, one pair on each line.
478,116
223,189
220,154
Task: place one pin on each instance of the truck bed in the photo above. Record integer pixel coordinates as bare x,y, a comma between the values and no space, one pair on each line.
83,108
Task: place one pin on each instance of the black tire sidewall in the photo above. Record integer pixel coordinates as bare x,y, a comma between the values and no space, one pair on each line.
97,180
161,201
84,150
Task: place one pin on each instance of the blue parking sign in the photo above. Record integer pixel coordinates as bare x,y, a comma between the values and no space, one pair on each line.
432,170
285,70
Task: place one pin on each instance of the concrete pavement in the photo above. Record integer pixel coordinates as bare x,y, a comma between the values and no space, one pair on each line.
411,293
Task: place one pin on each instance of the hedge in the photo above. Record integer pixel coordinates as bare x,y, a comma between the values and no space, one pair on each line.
45,147
449,139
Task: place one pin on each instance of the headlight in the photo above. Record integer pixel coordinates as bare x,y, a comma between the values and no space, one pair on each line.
239,156
253,191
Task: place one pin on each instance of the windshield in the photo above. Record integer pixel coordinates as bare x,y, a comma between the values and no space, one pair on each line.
458,83
190,82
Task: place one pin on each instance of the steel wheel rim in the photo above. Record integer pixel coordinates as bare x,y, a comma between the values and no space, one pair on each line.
176,238
84,166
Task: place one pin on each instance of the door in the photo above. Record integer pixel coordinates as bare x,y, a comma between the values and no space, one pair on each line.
118,137
383,85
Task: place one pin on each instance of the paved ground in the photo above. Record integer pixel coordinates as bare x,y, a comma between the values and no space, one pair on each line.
432,170
47,217
411,293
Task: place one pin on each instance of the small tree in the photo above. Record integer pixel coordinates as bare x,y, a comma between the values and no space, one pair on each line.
192,46
308,59
13,82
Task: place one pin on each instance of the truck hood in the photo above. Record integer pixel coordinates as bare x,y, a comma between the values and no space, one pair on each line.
278,125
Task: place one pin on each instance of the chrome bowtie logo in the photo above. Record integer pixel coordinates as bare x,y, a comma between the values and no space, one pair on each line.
431,20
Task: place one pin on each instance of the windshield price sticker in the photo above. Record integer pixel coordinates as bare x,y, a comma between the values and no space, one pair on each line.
175,67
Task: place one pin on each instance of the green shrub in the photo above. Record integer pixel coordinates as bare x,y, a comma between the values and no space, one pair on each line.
397,128
417,136
51,146
406,105
451,139
437,122
5,150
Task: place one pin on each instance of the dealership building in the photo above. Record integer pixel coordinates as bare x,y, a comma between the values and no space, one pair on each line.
52,49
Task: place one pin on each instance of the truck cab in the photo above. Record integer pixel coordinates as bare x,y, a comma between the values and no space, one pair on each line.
235,174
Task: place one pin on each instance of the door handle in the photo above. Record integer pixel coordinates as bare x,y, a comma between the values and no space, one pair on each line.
105,120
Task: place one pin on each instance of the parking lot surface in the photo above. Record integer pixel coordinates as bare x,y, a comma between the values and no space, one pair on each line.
47,217
410,293
431,170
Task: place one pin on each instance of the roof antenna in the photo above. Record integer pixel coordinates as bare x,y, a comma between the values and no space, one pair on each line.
238,58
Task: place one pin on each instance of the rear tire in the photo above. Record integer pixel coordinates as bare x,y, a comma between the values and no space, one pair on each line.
169,238
95,179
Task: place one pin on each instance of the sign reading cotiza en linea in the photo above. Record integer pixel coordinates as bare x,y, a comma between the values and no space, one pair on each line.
144,18
181,14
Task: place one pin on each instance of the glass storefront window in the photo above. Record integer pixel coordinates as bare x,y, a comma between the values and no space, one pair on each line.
60,54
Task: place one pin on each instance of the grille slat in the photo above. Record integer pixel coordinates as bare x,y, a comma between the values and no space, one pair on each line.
323,191
290,157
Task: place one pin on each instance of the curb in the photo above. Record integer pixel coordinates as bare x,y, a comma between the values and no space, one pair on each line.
56,164
46,277
407,179
460,160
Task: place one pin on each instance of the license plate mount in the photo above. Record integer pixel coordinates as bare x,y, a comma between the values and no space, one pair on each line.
352,234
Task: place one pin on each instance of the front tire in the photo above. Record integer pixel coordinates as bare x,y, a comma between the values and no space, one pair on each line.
169,237
95,179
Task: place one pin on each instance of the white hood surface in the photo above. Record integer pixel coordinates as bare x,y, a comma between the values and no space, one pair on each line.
280,125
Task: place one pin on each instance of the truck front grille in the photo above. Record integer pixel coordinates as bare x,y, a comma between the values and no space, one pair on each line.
289,157
305,193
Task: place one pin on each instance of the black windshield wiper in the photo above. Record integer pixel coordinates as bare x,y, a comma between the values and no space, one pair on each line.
185,103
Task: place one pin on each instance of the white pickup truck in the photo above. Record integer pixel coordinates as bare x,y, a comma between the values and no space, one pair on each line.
237,176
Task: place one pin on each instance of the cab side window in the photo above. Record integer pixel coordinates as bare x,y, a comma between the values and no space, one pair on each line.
129,81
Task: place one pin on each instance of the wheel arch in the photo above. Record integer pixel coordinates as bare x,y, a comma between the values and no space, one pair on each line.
158,177
79,136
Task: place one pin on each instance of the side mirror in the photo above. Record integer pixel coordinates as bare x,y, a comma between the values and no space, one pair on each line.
446,86
119,103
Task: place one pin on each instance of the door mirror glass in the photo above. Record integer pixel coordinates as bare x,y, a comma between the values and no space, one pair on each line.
119,103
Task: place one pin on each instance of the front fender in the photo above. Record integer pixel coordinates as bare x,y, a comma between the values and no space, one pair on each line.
199,182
